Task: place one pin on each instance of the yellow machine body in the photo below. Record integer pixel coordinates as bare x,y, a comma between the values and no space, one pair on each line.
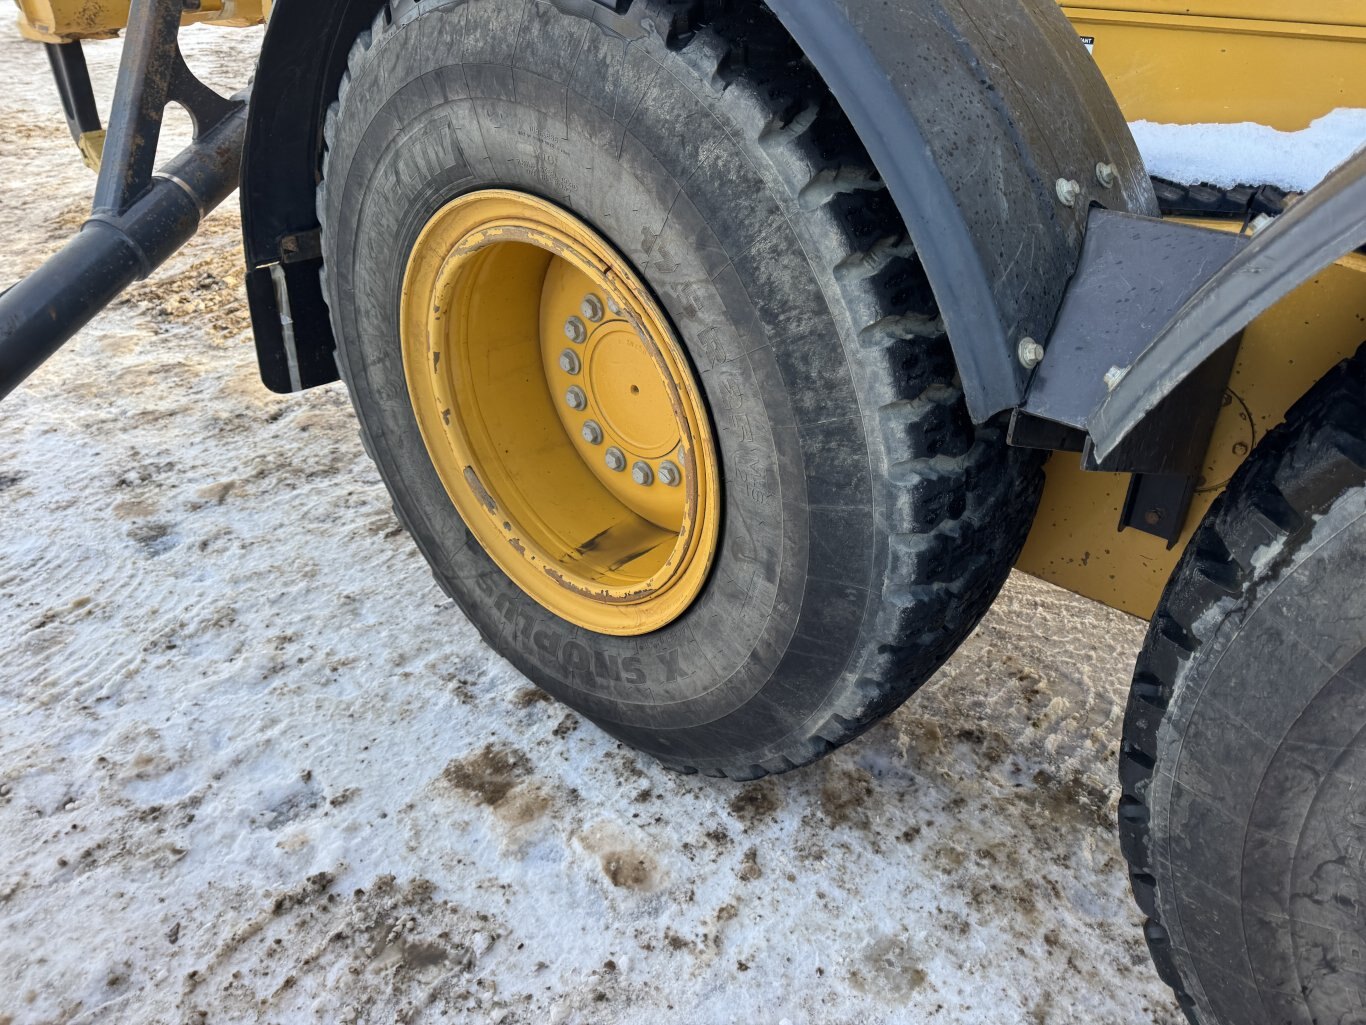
1075,542
1212,61
1224,61
65,21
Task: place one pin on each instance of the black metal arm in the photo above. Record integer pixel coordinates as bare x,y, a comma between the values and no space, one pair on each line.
139,218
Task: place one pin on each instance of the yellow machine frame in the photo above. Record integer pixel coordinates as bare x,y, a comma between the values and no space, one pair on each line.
65,21
1217,62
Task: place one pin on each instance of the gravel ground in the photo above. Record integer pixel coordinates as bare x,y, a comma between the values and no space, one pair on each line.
254,766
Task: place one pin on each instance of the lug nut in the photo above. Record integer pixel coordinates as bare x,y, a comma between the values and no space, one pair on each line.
591,308
569,362
615,459
1069,191
1106,175
642,474
612,305
592,433
670,474
575,331
575,398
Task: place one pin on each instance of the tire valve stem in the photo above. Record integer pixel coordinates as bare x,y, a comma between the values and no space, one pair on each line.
615,459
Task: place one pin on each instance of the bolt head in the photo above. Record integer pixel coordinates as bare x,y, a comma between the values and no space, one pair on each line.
615,459
569,362
1030,353
591,308
1069,191
575,331
575,399
592,433
613,307
669,474
642,474
1106,175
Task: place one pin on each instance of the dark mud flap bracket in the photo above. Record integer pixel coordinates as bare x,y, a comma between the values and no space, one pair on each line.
1135,274
1147,334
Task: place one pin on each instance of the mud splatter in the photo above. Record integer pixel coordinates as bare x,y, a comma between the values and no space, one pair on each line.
489,775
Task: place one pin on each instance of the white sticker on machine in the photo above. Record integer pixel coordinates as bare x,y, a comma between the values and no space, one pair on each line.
1090,43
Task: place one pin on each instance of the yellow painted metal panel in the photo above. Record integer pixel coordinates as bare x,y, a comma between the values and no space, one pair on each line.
58,21
1187,68
1074,542
1305,12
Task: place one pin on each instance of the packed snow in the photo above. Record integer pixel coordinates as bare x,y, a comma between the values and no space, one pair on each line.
1249,153
255,766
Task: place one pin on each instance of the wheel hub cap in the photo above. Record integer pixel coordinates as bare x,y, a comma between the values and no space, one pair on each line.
560,412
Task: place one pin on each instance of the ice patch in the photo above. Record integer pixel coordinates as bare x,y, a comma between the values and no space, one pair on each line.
1249,153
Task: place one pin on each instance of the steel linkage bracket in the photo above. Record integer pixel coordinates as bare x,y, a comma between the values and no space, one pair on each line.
1135,274
140,215
152,75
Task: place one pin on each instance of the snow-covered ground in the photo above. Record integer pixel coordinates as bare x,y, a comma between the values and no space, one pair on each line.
254,766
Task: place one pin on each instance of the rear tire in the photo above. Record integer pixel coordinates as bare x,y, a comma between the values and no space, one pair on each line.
1243,765
867,524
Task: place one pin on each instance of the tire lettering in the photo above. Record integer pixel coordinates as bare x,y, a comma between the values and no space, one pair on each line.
546,642
576,658
605,666
669,660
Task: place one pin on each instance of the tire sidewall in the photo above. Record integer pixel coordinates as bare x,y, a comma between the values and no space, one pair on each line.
778,623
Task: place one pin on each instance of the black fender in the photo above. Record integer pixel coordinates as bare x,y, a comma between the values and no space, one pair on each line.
973,112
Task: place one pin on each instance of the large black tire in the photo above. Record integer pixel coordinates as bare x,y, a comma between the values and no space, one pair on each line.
867,524
1244,757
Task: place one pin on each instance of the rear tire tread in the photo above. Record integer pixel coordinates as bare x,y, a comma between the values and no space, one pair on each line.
1275,494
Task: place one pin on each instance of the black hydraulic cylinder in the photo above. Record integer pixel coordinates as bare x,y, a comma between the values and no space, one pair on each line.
41,313
73,85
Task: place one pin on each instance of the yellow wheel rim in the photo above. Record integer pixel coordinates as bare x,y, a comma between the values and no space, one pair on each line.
560,412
